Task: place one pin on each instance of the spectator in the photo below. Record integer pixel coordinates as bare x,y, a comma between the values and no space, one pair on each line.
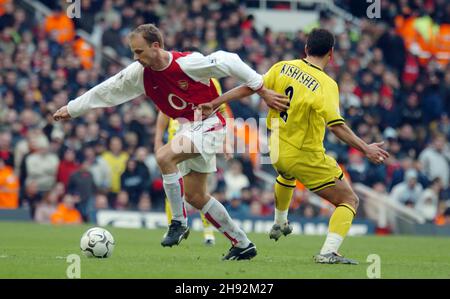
31,197
358,167
84,51
135,180
235,180
433,101
46,208
5,148
112,35
87,10
264,206
408,192
99,169
66,213
406,163
101,203
444,218
42,166
9,187
149,160
237,208
391,40
247,167
122,201
434,160
66,167
59,25
407,138
246,197
82,183
116,160
427,204
411,113
145,203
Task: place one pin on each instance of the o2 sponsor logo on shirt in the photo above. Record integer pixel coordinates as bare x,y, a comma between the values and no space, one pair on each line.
178,103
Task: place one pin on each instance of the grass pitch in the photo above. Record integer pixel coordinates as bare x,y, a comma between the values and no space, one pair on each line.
29,250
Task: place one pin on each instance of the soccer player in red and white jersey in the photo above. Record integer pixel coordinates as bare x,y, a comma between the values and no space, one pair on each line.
178,82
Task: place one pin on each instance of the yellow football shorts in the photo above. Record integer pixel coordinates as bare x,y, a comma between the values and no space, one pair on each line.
315,170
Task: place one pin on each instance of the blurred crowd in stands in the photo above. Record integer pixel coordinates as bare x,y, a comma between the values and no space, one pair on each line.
394,86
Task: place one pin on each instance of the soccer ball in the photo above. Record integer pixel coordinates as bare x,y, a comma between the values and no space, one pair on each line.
97,242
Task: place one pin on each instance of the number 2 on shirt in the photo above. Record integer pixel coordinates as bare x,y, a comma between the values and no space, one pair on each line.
290,93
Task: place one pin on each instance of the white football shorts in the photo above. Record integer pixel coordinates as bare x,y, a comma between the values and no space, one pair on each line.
208,137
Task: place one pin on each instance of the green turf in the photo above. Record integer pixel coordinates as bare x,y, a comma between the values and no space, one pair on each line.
29,250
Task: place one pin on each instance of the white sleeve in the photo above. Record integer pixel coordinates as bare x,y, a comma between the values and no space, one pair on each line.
120,88
217,65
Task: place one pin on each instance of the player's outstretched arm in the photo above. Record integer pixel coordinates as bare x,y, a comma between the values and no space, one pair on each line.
223,64
124,86
273,99
373,152
162,121
236,93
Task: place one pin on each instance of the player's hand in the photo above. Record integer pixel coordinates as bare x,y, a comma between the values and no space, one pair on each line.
376,154
274,100
205,109
62,114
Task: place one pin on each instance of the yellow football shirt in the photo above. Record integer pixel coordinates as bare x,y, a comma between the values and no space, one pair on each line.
314,104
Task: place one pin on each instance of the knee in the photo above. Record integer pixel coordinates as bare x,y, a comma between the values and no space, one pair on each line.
353,200
163,157
195,199
350,199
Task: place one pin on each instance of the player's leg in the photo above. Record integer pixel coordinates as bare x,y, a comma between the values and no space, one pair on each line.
322,175
168,157
217,215
168,211
346,201
283,156
208,231
284,188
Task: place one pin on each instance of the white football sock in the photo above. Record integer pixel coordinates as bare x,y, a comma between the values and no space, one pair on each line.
173,185
281,216
218,216
332,243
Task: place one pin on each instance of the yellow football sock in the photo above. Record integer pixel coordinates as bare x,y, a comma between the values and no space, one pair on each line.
283,193
168,212
208,232
341,220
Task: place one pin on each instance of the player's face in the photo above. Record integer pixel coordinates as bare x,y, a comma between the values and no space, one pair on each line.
143,52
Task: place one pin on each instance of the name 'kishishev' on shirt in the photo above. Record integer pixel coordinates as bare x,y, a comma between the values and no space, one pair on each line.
300,76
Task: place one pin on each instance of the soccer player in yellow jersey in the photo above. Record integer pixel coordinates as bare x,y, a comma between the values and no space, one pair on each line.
297,151
164,122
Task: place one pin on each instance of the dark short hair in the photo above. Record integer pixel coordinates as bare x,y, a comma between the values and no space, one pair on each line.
319,42
150,33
